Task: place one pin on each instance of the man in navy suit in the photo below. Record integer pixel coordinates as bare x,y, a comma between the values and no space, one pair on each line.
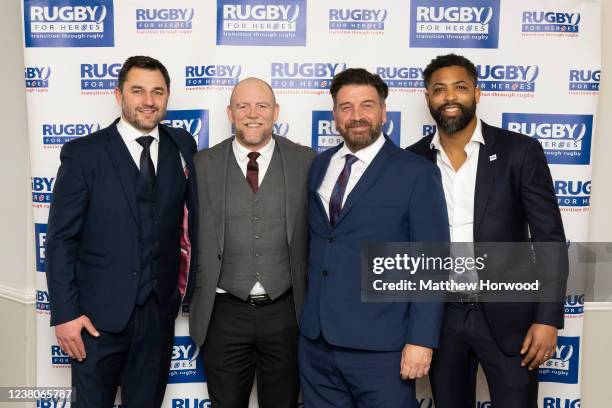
123,202
353,353
498,188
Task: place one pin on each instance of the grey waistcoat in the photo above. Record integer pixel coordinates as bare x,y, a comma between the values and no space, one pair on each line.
255,247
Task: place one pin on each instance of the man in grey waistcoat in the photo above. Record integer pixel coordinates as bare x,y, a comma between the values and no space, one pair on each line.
251,272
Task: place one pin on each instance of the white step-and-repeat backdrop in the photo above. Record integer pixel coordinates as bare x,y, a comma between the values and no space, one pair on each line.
538,65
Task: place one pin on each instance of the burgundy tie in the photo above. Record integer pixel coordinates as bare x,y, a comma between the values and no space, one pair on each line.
252,173
337,196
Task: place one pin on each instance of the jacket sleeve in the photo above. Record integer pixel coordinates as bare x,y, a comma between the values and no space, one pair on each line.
546,230
66,216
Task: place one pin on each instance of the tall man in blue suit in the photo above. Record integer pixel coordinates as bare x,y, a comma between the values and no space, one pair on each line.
123,202
498,188
355,354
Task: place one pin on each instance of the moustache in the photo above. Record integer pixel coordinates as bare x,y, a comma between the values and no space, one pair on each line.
452,105
358,123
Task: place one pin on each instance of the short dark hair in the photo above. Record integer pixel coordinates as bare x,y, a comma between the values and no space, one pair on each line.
450,60
358,76
143,62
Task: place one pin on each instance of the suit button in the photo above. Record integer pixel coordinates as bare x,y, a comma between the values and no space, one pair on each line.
330,239
323,273
256,255
256,236
255,218
257,274
219,256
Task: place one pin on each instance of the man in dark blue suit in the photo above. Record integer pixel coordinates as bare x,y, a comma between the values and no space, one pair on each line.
123,204
352,353
499,189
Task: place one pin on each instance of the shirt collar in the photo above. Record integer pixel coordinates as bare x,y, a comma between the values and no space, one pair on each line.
265,152
129,133
476,137
366,154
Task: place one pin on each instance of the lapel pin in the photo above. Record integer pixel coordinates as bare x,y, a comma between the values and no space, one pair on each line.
492,157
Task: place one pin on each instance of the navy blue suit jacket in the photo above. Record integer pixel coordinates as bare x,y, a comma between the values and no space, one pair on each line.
399,198
514,201
93,248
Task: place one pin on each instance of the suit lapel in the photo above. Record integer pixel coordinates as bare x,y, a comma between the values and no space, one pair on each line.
216,180
292,189
124,166
485,175
368,179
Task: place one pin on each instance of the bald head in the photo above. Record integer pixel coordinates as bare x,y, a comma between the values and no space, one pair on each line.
253,111
253,84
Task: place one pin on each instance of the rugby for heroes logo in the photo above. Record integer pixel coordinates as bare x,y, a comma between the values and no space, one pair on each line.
194,121
325,135
99,79
516,80
542,23
186,365
42,191
584,81
261,22
563,366
402,79
202,77
574,306
573,195
56,134
164,20
42,302
37,78
68,23
40,238
357,21
309,77
454,23
58,357
556,402
566,139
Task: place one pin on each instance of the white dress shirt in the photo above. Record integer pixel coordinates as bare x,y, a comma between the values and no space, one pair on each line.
336,164
459,186
459,189
129,134
263,162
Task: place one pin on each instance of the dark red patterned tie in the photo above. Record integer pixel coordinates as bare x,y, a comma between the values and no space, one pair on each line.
252,173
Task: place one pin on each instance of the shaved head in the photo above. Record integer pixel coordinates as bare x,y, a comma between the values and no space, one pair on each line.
249,81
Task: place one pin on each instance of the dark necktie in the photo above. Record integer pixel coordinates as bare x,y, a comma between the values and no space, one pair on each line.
335,202
147,171
252,173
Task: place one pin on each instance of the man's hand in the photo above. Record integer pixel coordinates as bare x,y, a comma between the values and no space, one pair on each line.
540,344
415,361
69,336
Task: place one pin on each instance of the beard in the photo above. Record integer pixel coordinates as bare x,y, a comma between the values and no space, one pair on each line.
144,125
358,141
453,125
